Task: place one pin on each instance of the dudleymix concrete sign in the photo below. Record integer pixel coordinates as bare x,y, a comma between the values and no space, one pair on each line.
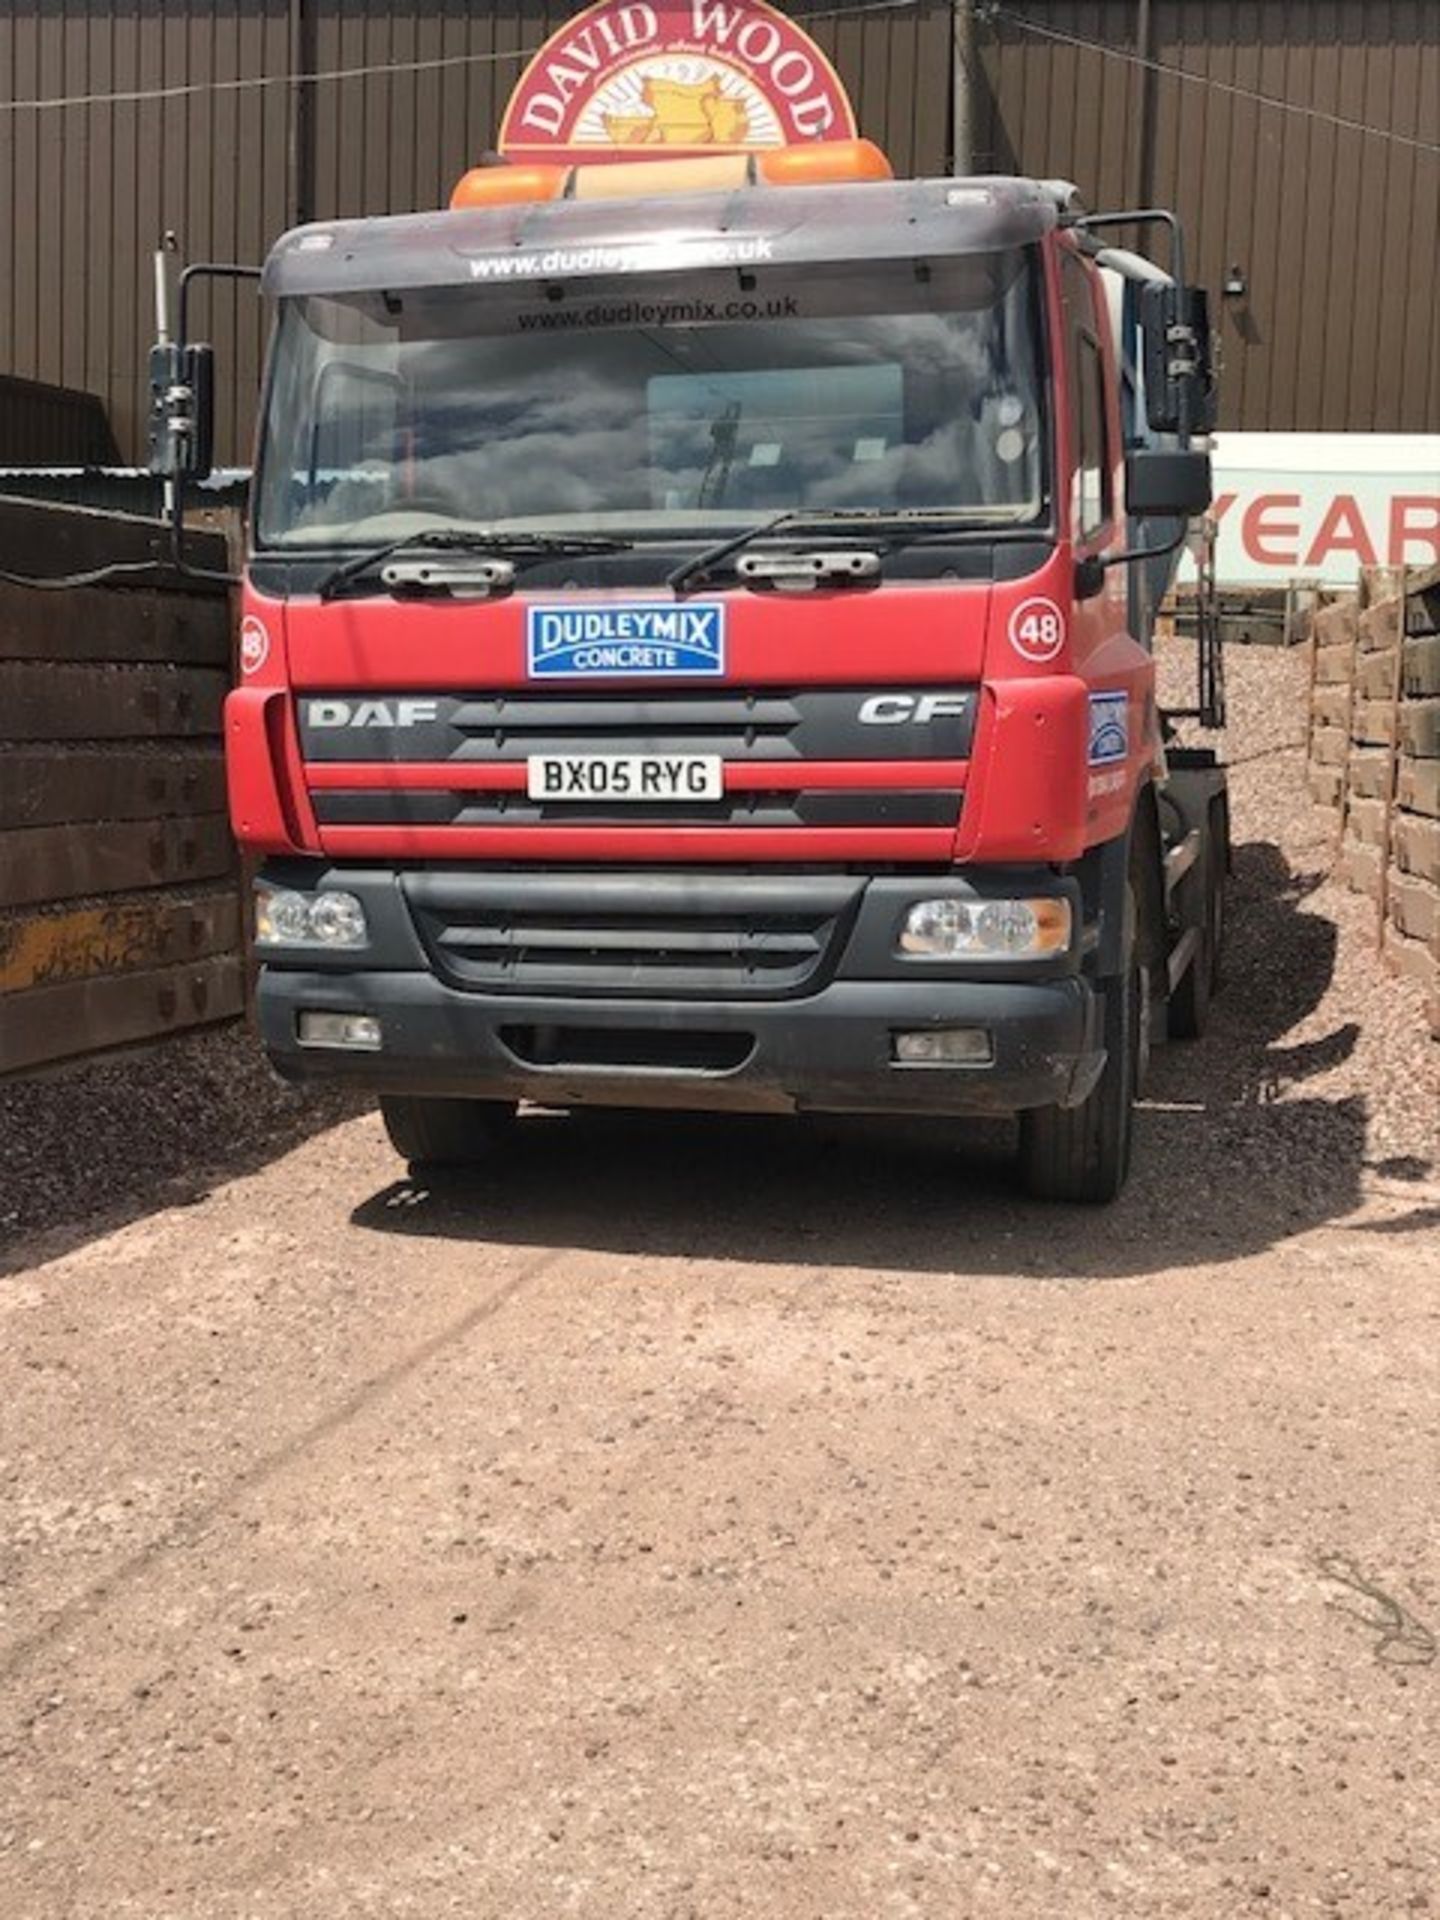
634,79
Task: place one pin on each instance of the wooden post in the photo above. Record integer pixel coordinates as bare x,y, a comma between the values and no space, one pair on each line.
1313,651
1392,772
1361,602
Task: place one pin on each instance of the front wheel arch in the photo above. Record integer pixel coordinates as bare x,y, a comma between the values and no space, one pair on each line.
1134,859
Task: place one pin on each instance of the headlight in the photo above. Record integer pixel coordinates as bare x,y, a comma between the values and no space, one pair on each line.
337,920
285,918
281,918
952,929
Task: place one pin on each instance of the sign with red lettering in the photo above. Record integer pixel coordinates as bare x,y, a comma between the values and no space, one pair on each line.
1320,506
641,79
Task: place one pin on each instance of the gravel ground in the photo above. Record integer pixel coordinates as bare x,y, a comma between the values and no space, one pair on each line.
1304,967
96,1142
709,1519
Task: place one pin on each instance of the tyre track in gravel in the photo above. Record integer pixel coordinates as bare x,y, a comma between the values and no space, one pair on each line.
190,1528
824,1561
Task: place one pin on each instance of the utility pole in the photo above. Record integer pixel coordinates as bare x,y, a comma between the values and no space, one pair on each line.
301,141
962,84
1143,174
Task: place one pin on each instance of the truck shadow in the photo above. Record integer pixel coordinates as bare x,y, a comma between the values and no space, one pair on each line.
1231,1155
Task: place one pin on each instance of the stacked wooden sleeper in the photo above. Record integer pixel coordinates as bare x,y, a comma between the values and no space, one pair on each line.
1374,755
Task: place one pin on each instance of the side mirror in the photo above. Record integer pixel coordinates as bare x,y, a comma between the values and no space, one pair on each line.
182,411
200,378
1180,394
1166,482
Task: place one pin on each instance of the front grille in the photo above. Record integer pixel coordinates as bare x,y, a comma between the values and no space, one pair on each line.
816,723
672,935
738,726
386,760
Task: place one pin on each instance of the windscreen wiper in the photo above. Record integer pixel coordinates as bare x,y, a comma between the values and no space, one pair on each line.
838,520
700,565
518,545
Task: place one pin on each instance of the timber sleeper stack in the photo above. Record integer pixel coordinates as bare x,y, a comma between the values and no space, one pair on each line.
120,897
1412,924
1374,755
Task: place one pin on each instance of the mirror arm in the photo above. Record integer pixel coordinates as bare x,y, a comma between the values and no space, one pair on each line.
204,269
1146,553
212,270
1090,571
177,545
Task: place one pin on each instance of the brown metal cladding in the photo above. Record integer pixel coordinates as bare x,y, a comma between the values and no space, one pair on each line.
87,190
1336,231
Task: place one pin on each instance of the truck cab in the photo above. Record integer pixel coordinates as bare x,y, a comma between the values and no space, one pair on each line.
695,653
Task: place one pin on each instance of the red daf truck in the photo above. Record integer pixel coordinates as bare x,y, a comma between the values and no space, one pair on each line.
697,653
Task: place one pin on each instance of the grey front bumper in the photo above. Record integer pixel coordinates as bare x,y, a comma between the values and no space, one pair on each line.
828,1046
832,1052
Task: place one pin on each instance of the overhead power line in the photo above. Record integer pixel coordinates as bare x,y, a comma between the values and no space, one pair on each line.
987,13
1042,31
257,82
439,63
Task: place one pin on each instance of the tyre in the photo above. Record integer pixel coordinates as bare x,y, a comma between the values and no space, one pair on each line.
445,1133
1083,1153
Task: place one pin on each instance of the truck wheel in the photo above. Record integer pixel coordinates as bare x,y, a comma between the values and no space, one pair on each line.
1083,1153
445,1133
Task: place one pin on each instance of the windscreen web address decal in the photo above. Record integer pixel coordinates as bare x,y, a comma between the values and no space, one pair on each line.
659,313
629,259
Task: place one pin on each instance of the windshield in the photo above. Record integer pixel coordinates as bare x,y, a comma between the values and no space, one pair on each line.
657,407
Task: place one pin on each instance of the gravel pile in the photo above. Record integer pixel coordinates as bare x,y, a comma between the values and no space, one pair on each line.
1318,1073
137,1130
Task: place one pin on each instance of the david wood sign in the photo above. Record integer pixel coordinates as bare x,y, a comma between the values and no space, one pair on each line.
628,79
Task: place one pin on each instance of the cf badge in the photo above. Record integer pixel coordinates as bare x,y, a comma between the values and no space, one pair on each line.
919,709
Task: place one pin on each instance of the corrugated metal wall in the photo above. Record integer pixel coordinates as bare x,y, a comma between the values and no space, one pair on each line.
396,142
1335,230
86,190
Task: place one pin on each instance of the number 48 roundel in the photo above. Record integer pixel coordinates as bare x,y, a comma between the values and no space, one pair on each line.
1037,630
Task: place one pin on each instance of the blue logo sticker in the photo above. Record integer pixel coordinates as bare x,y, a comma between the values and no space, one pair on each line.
1109,728
618,642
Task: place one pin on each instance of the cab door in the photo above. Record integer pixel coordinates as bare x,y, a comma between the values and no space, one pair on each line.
1107,653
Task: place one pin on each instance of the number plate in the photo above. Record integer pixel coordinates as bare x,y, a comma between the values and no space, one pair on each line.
625,776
